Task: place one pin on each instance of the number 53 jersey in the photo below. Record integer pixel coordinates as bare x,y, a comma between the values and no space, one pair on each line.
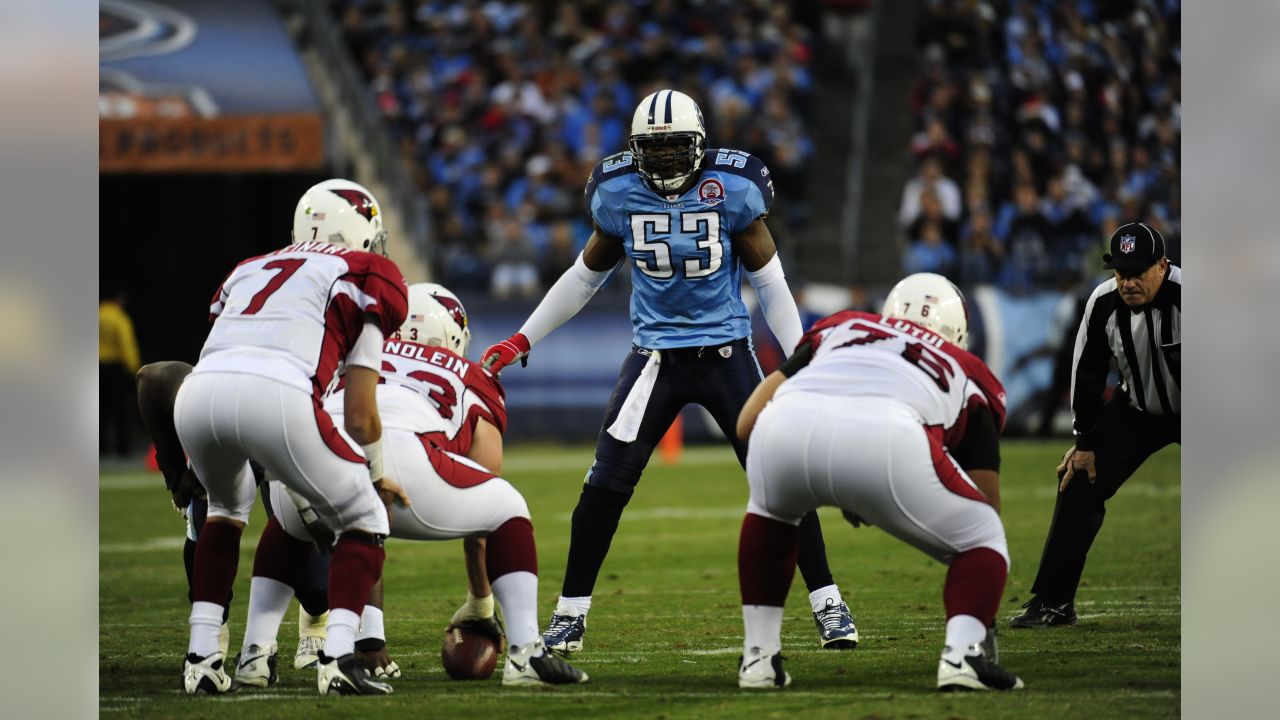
858,354
294,315
686,279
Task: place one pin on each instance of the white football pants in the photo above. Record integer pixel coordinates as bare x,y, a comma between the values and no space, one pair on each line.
872,457
226,419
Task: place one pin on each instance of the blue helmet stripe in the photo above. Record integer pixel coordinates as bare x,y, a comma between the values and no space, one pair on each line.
653,107
669,94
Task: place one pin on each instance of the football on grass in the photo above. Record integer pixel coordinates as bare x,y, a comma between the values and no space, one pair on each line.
468,655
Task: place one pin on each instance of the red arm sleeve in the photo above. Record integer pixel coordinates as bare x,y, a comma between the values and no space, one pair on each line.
382,282
492,404
990,388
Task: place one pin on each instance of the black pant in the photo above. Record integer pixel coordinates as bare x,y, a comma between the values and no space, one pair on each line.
1125,439
116,414
719,378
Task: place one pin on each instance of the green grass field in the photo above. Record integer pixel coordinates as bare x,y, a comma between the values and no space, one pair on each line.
665,628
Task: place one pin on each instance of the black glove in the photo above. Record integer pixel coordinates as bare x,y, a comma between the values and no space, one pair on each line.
184,489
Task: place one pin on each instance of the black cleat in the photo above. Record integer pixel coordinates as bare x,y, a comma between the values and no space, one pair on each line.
1040,613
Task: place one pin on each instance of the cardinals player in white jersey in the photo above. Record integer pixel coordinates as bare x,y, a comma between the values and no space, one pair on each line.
284,325
443,417
889,418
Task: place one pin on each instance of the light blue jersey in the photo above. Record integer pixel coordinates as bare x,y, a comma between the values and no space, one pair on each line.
686,278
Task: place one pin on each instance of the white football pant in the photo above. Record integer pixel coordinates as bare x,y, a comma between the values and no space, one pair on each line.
872,457
226,419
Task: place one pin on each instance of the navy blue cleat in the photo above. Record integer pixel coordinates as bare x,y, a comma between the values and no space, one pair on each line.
836,627
564,633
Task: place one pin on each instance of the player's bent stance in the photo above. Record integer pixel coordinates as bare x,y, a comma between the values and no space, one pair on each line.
889,419
284,323
441,413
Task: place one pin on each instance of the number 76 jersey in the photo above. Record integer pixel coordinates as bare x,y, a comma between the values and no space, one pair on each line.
862,354
686,279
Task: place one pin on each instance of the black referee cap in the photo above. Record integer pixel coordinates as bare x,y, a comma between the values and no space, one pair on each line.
1134,246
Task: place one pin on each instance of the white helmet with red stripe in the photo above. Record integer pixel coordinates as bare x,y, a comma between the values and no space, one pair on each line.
932,301
341,212
668,139
436,318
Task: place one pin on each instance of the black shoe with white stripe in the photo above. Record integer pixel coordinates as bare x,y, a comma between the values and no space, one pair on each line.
1041,613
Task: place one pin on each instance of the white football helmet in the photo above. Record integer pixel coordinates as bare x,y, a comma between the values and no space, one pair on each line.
436,318
343,213
932,301
668,139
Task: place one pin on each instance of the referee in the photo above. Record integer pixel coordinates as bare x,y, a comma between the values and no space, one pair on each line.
1135,318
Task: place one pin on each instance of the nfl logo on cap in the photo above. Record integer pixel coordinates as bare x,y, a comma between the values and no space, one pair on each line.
1127,244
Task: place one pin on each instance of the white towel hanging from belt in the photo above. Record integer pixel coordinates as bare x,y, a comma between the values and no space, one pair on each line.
627,424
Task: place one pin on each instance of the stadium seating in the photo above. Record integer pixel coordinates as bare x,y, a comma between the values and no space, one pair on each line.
1055,122
503,108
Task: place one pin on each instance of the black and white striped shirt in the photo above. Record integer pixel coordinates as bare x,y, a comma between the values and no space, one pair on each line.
1146,343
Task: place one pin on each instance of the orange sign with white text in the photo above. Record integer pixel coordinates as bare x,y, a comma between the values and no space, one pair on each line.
221,144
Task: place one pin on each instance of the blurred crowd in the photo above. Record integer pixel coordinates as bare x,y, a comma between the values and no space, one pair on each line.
503,108
1041,125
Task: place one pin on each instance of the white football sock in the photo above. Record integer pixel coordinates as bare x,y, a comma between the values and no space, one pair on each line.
577,605
206,623
268,602
963,632
341,639
517,594
763,624
818,598
311,625
371,624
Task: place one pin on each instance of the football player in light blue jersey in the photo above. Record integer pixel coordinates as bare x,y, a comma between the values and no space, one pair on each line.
690,222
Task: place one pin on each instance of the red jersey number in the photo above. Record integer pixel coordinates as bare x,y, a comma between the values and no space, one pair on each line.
287,268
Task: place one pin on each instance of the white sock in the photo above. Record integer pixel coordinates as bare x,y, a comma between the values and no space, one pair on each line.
311,625
206,623
579,605
268,602
341,639
517,594
763,624
818,598
371,624
963,631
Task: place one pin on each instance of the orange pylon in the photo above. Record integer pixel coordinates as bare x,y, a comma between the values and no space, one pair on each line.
672,443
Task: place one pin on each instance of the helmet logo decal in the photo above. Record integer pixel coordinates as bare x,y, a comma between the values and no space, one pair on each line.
454,308
710,191
360,201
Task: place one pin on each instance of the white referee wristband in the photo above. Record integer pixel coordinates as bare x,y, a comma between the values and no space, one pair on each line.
373,455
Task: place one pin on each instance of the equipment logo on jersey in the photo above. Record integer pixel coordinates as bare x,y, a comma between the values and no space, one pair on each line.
1127,243
711,191
361,202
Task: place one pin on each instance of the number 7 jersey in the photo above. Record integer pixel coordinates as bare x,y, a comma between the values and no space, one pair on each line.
294,315
858,354
686,279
